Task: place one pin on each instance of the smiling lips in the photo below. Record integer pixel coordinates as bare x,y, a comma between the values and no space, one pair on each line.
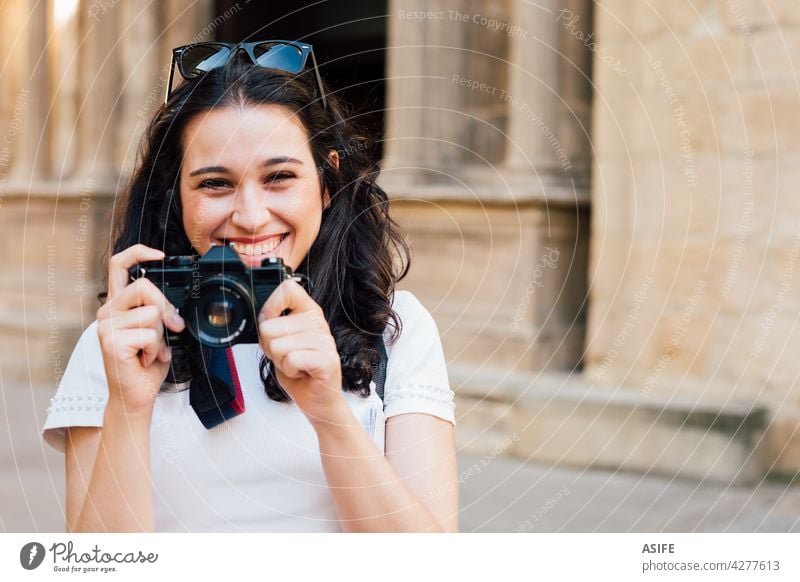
264,247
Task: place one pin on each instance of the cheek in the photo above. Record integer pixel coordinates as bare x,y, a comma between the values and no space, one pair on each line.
306,221
302,212
201,218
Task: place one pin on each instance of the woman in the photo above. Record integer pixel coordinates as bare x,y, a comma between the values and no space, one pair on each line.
260,158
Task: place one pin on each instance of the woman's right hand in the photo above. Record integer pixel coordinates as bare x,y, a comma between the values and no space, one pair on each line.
131,330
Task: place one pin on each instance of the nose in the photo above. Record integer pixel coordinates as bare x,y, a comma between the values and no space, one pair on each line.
250,210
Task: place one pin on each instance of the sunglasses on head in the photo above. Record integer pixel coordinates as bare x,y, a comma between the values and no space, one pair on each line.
199,58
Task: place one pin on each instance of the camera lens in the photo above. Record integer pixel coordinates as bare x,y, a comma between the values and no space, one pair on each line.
219,311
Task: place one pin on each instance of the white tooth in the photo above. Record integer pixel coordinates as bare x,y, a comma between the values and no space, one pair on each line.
234,244
248,249
259,249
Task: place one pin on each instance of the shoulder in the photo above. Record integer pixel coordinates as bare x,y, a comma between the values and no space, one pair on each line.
89,337
405,301
416,372
411,313
82,391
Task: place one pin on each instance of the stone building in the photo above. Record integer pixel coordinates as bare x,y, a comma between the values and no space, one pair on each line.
599,197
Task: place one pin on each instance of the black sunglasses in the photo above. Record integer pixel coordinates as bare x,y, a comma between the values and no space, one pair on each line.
199,58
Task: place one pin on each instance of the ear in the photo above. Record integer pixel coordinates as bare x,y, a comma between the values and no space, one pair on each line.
333,160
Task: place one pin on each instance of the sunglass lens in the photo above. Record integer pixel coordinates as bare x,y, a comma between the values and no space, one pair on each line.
202,58
279,56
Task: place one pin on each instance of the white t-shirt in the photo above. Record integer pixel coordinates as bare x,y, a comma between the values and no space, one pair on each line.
260,471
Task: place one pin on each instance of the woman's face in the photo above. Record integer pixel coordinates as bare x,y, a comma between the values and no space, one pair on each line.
248,179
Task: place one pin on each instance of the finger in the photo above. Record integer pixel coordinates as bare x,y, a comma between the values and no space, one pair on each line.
118,265
165,354
294,323
144,316
150,353
281,348
277,348
288,295
301,363
128,343
150,350
144,292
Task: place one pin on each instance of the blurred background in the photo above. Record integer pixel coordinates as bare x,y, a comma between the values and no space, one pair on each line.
602,202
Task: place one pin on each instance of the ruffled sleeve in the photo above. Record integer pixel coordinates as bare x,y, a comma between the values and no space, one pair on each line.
416,373
81,397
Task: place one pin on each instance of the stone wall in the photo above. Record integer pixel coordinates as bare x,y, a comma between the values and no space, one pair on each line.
696,218
487,166
78,89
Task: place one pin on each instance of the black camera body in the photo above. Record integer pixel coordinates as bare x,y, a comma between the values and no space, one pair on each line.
217,295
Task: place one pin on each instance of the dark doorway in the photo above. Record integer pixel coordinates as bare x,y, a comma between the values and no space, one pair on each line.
349,41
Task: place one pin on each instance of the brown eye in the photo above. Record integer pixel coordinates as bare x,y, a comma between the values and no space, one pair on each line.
213,184
280,177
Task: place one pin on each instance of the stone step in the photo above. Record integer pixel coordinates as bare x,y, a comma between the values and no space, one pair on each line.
562,419
31,472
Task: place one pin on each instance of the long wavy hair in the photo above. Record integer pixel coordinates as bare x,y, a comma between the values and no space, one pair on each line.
359,253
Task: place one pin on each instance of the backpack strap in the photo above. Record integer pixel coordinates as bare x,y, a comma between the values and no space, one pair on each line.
379,377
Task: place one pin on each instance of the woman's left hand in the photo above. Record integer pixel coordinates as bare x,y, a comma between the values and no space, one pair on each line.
303,352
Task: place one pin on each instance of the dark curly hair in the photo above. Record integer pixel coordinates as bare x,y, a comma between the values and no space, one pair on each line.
360,252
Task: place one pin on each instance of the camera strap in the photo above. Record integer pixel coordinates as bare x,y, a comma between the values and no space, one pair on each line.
221,398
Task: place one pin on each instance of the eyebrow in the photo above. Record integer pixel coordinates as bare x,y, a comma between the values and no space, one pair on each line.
265,164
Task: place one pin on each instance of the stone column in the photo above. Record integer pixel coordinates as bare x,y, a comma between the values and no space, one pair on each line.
425,125
30,152
575,87
443,123
533,99
100,77
405,87
15,88
64,39
144,64
186,24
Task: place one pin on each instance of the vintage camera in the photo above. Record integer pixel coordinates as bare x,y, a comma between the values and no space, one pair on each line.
217,295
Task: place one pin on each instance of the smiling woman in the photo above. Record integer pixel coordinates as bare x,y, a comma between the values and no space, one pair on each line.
262,163
259,189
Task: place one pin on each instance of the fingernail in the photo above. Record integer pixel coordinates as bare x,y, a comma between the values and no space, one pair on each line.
178,320
167,353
